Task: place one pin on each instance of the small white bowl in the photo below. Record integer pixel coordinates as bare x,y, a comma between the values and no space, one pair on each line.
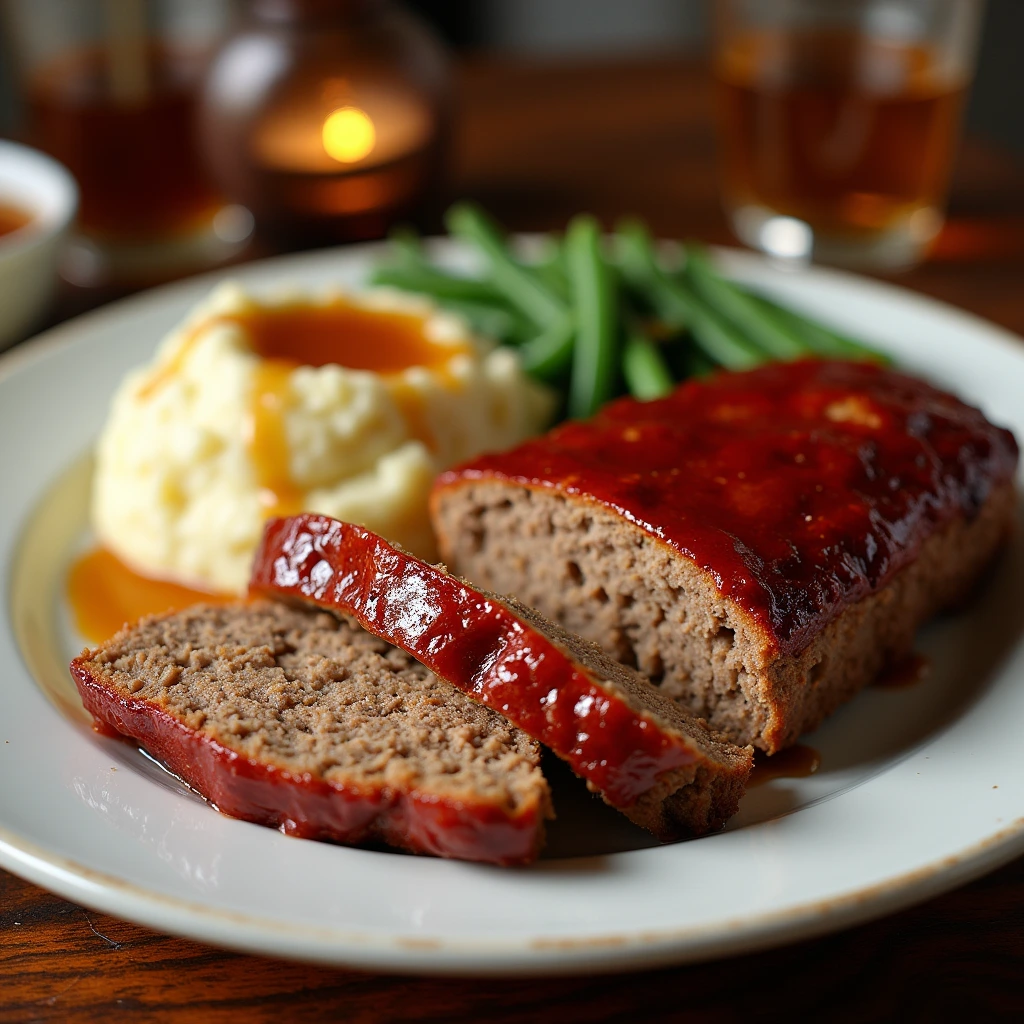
29,256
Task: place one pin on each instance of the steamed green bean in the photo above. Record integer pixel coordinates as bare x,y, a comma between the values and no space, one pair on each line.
598,317
591,285
644,368
735,306
523,288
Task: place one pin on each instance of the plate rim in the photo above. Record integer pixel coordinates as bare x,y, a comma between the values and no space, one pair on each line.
425,955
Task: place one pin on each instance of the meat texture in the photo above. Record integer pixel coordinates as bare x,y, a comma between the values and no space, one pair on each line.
300,720
661,767
759,545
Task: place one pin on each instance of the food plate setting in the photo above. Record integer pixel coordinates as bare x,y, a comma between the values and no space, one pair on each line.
918,787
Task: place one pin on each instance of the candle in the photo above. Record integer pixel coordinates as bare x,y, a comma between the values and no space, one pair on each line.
327,120
377,124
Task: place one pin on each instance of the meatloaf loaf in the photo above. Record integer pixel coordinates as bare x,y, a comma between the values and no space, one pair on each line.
293,718
760,544
663,769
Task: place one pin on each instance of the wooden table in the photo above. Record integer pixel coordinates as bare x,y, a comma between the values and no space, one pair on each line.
536,145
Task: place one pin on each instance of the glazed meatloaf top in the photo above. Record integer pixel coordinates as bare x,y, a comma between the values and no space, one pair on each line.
800,487
298,719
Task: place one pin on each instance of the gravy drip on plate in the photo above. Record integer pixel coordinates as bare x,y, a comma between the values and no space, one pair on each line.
909,672
105,594
795,762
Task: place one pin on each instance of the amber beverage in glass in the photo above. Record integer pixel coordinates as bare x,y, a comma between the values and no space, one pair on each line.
134,158
110,88
838,121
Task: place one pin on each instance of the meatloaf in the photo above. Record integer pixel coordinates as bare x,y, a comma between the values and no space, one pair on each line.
759,544
662,768
296,719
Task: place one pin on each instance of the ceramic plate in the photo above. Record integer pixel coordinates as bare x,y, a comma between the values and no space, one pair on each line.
920,789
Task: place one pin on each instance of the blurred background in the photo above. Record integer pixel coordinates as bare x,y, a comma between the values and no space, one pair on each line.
578,30
538,108
575,30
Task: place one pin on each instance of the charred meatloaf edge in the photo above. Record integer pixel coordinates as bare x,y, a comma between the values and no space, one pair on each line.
301,720
591,566
665,770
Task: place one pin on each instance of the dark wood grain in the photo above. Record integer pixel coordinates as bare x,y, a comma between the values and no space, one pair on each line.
959,956
537,144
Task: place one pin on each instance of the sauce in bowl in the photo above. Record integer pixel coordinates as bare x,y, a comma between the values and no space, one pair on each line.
13,218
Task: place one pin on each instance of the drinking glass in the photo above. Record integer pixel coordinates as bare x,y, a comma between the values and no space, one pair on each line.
838,121
109,88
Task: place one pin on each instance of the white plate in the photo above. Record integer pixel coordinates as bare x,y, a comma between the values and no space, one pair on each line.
919,790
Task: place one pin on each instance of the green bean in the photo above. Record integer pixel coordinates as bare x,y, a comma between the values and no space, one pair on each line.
549,354
644,368
550,268
723,344
733,304
594,302
521,286
639,268
677,304
820,339
437,284
589,325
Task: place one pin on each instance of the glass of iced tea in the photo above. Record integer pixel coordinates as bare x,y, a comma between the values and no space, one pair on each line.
838,121
109,87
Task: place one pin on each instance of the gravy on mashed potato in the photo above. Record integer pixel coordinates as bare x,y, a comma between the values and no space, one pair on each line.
348,405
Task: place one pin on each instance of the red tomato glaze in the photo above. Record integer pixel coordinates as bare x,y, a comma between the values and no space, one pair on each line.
307,807
475,643
800,487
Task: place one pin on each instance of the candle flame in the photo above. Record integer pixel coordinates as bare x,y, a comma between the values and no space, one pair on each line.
348,135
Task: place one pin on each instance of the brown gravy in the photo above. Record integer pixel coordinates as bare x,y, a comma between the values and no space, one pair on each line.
268,442
316,335
105,594
909,672
795,762
349,335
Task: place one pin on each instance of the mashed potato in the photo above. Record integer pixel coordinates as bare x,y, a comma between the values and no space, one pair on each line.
212,437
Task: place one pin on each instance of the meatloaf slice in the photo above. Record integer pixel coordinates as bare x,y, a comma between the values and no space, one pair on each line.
760,544
296,719
662,768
